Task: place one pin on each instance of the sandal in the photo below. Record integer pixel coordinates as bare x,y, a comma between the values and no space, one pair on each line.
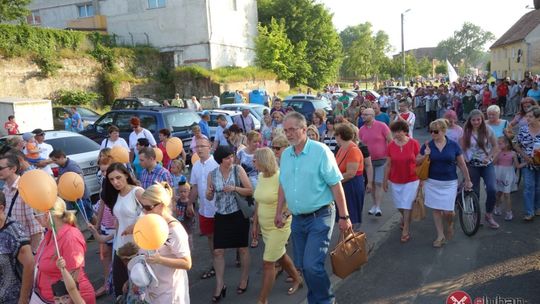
208,274
405,238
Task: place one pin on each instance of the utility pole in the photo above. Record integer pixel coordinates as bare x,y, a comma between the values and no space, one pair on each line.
403,49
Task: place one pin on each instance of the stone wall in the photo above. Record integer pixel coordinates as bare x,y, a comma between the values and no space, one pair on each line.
205,87
20,77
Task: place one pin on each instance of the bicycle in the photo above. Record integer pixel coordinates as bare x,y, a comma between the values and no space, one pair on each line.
468,206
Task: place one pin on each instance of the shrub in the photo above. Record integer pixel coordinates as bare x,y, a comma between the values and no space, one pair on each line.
75,97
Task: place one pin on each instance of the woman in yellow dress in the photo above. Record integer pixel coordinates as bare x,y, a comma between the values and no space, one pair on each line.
275,239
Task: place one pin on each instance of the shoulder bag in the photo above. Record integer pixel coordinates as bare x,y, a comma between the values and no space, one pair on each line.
349,254
245,203
422,171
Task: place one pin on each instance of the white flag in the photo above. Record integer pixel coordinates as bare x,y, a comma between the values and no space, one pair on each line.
452,75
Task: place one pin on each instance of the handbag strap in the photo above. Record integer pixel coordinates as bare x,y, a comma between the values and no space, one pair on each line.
13,203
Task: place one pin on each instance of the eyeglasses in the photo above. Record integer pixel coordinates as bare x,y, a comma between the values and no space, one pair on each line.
202,146
290,130
146,207
276,148
38,215
434,131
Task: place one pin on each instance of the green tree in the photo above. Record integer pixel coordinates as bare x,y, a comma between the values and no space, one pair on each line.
466,45
364,51
11,10
308,22
276,52
425,67
441,68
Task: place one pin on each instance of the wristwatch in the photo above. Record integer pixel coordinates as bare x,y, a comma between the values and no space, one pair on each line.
346,217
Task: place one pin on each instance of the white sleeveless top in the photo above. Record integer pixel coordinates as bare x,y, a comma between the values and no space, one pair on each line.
127,211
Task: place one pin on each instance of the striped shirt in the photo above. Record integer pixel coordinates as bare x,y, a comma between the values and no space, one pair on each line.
158,174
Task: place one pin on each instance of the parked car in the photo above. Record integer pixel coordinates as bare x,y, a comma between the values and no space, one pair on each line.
397,89
78,148
309,97
88,116
368,94
307,107
179,121
227,97
255,109
134,103
350,94
229,115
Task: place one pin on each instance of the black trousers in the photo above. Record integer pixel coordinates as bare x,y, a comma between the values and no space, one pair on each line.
119,275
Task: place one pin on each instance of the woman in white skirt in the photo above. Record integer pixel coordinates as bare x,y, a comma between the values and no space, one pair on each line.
440,189
400,171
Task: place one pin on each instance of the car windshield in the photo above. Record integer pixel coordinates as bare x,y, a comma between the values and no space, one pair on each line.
73,144
147,102
177,121
319,104
259,111
86,112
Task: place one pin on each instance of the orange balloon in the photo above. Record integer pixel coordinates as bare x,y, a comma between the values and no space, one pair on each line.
38,189
159,154
71,186
120,154
194,158
150,232
174,147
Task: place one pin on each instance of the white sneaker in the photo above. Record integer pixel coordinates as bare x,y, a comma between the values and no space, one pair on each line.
378,212
372,210
509,216
497,211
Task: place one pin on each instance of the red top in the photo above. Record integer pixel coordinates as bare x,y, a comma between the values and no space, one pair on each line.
11,127
351,154
502,90
486,97
72,248
166,159
403,161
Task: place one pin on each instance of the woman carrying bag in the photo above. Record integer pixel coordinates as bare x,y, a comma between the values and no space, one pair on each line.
231,227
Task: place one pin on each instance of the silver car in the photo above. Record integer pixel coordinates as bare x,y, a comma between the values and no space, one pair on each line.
80,149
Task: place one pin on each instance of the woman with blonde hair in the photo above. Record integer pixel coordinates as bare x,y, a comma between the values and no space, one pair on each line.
440,189
171,261
275,239
279,143
319,121
72,247
313,133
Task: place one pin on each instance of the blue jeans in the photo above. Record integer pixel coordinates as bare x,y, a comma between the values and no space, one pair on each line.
487,173
531,191
311,236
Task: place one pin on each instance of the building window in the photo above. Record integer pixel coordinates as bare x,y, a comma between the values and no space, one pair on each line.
34,18
513,52
156,3
86,10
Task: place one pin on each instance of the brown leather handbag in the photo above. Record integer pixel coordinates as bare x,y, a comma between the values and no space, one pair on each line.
422,171
350,253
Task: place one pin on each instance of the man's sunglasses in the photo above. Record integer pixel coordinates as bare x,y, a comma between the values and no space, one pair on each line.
434,131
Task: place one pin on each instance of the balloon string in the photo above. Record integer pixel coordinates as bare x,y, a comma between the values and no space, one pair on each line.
81,209
54,234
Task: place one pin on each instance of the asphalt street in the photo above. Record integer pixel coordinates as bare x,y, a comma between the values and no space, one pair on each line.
503,262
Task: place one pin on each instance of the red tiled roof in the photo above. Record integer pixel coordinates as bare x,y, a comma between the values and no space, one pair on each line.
520,29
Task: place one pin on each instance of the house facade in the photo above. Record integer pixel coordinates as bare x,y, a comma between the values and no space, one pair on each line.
517,52
211,33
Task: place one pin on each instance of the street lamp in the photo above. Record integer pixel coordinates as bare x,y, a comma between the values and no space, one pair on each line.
403,49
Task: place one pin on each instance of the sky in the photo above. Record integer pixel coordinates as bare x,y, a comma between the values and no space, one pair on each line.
428,21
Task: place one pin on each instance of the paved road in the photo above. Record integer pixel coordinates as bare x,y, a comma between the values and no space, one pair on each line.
504,263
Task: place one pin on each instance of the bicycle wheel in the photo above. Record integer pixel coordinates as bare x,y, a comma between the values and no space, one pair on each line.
469,212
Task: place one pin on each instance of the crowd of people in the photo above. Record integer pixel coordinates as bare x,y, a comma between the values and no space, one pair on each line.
293,180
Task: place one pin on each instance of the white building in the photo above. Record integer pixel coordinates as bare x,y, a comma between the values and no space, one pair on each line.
211,33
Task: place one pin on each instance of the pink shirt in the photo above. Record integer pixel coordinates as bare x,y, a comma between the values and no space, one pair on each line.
374,138
72,247
505,159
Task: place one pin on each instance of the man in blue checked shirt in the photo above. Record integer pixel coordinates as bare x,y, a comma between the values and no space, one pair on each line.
152,171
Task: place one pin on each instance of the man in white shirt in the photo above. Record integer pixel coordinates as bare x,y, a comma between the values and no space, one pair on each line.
207,208
194,104
44,150
383,102
138,132
245,121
